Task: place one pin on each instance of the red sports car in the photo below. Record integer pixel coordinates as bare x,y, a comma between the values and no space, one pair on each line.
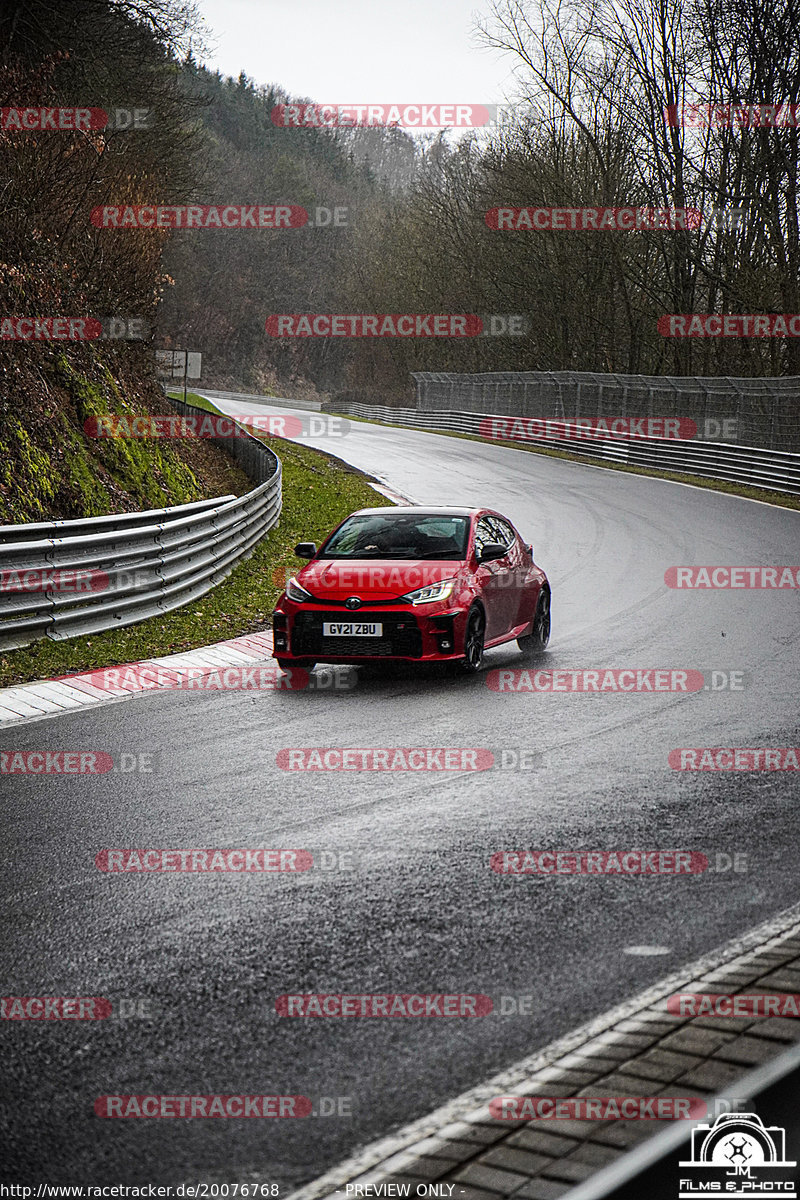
416,585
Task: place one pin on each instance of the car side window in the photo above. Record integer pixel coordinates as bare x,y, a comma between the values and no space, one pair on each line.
483,535
500,532
505,534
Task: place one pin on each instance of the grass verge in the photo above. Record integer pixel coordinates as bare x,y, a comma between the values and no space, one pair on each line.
318,492
197,401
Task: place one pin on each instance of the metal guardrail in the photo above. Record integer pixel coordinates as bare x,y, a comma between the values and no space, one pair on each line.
772,470
143,564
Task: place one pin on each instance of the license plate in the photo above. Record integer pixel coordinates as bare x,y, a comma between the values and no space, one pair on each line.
351,629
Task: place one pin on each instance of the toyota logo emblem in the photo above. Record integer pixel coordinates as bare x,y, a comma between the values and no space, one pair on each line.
352,602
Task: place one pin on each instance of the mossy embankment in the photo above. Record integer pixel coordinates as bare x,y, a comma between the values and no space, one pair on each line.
50,469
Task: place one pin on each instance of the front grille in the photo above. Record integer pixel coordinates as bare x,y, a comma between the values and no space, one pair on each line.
343,603
401,636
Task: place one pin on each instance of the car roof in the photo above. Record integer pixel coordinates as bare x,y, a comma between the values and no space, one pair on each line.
420,510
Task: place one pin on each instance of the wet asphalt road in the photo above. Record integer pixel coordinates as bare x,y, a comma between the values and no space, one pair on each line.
205,956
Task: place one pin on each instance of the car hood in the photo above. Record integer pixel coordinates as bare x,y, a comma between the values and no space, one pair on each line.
373,579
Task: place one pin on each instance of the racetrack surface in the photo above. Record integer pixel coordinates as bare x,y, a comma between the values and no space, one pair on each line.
421,911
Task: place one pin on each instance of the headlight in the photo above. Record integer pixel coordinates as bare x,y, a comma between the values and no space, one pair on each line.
297,593
434,591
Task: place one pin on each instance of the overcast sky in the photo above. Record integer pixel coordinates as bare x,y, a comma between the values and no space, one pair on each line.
359,51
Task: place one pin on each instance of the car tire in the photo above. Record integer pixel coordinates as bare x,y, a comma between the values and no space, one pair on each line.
537,639
474,635
306,664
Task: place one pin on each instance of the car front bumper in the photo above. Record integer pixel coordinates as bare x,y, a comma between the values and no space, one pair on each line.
408,634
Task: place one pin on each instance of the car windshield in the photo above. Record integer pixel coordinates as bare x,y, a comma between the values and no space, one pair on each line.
399,536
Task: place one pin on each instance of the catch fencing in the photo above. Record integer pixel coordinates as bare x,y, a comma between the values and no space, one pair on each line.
763,413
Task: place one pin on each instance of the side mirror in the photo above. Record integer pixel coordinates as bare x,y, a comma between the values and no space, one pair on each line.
492,551
305,549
